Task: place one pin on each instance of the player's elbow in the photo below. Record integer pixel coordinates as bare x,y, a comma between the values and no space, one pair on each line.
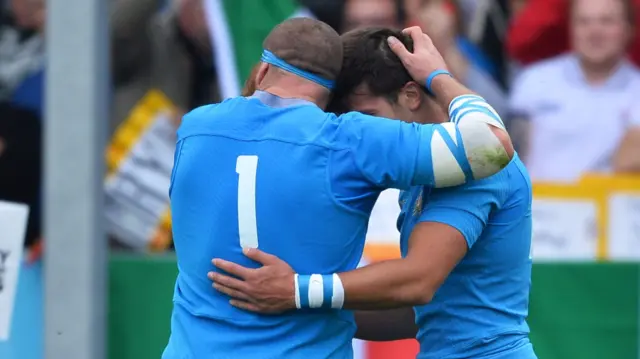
424,298
488,148
487,144
419,291
504,139
421,294
415,282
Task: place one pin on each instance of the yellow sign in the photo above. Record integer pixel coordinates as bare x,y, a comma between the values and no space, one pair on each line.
139,163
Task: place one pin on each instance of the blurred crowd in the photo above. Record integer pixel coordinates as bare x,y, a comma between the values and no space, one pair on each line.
563,74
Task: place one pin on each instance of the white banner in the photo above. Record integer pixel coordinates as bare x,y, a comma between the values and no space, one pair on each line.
13,227
564,230
624,226
382,223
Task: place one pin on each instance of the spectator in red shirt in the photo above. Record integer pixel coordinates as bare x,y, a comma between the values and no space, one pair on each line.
540,29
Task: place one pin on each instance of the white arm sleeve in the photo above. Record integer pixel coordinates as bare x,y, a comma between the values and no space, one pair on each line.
470,120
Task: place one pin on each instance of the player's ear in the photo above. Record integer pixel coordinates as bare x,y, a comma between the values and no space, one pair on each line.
411,96
250,85
261,73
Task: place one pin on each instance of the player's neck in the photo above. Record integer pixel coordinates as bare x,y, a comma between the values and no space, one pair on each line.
430,113
300,92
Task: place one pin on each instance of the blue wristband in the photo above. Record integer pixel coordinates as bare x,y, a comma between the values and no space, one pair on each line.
302,289
432,76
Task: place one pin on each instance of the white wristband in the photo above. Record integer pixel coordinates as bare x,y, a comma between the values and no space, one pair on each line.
297,292
318,291
337,300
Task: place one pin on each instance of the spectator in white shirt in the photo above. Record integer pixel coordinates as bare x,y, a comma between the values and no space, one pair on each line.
572,112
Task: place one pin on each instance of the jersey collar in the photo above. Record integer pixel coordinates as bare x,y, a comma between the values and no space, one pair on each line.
272,100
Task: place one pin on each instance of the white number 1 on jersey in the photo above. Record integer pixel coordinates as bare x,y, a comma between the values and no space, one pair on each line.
246,167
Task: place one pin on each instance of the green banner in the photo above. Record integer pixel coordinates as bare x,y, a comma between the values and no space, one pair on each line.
585,311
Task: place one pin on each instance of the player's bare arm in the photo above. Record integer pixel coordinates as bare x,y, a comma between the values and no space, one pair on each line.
434,250
489,145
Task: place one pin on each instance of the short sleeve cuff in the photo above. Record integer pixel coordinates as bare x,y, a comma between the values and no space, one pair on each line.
464,222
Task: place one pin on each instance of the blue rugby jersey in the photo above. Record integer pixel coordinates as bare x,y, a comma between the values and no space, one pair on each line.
480,310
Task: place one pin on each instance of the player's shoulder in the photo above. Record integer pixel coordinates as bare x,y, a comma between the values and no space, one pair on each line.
208,110
513,182
359,119
194,119
205,112
520,179
355,130
347,127
198,113
206,117
351,120
356,126
513,172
